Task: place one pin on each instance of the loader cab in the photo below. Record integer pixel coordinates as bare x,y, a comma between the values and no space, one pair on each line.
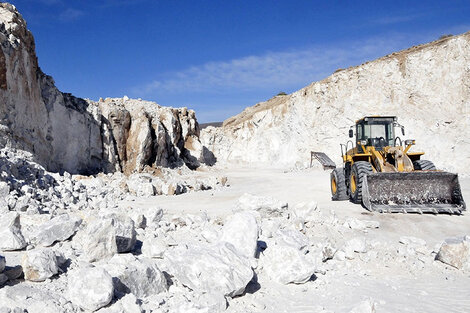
375,131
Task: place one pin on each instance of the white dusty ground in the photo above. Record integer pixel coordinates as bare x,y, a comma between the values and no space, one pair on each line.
394,281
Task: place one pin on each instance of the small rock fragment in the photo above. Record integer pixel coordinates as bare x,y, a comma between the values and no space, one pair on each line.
455,252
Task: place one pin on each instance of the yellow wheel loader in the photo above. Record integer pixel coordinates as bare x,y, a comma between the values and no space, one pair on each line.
383,174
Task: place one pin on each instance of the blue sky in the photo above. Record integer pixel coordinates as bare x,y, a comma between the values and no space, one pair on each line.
218,57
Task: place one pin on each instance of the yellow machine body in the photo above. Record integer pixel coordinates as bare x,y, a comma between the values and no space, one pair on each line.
384,175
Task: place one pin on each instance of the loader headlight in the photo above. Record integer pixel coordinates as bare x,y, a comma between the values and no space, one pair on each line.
410,142
363,142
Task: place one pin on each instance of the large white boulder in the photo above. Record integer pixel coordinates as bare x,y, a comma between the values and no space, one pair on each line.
141,277
242,230
90,288
99,240
11,237
286,263
455,252
40,264
58,228
218,269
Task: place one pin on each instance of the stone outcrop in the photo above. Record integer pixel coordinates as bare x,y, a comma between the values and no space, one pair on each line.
426,86
138,133
34,115
65,133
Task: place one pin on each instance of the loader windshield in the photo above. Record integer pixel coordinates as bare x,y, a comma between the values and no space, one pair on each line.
378,132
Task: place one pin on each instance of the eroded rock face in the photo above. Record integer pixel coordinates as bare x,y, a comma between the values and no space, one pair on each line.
145,134
34,115
120,134
426,86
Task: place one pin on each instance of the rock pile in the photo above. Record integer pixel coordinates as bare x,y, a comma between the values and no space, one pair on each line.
147,260
26,186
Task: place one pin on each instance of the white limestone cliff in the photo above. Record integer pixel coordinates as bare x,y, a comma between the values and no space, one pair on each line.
65,133
427,87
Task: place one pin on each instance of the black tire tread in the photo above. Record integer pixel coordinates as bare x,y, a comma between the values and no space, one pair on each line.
341,193
424,165
363,168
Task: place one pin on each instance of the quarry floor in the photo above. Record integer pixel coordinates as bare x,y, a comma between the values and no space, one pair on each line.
436,289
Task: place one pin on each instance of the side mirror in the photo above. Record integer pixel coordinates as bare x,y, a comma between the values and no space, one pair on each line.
403,130
351,133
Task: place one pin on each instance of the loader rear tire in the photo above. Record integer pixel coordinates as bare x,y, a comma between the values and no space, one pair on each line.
338,185
359,170
424,165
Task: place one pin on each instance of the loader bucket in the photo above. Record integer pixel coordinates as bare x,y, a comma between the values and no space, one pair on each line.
420,192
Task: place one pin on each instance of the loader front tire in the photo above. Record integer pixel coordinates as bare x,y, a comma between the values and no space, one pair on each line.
338,185
424,165
359,170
